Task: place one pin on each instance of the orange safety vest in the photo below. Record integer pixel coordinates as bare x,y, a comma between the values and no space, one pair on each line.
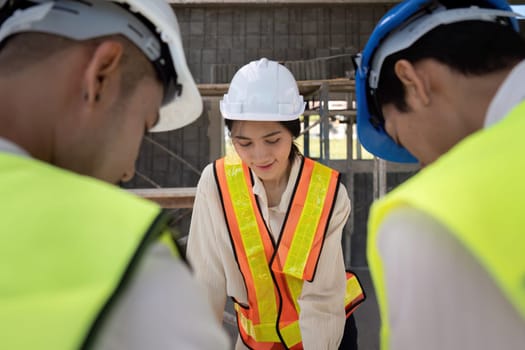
274,274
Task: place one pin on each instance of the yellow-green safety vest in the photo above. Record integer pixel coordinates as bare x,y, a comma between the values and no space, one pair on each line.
68,244
477,191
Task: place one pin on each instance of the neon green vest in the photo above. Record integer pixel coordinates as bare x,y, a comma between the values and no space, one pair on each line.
67,245
477,191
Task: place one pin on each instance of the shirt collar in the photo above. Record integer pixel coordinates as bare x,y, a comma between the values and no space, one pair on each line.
258,187
7,146
509,94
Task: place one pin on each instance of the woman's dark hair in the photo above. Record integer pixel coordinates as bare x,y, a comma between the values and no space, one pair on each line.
293,126
471,48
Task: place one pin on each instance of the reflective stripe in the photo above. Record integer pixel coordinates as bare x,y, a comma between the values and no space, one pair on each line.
266,332
249,246
353,289
243,207
296,287
292,334
318,184
354,294
261,332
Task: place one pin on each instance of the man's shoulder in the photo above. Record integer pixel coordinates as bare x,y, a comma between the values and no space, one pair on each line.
43,183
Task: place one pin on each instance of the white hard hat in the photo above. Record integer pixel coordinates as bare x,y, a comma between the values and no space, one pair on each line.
262,90
150,24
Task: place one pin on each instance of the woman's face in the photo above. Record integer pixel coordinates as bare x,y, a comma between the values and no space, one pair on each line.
264,146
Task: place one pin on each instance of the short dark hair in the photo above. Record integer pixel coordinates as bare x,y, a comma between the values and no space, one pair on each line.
471,48
22,50
293,126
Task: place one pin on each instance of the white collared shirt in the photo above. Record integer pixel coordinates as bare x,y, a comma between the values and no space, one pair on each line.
510,93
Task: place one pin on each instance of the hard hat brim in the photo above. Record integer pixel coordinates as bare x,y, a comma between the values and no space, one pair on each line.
187,107
374,139
270,117
181,112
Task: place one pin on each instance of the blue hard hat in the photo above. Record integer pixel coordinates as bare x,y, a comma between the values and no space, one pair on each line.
397,30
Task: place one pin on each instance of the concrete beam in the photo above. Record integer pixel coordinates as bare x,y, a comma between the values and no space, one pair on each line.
306,87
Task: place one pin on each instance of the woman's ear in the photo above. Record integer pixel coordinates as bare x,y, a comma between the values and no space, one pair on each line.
415,83
104,62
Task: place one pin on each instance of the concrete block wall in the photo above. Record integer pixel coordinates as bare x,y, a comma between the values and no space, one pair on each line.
235,35
162,164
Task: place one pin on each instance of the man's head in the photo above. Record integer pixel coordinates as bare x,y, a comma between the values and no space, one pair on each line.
97,72
427,74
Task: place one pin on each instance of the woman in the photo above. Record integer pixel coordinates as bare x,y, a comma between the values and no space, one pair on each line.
267,223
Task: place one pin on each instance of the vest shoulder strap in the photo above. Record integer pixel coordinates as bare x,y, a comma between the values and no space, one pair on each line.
307,220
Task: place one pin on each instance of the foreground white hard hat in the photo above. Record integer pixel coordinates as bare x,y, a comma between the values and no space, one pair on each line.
150,24
262,90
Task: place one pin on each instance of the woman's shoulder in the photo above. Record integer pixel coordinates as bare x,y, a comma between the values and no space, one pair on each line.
207,177
208,169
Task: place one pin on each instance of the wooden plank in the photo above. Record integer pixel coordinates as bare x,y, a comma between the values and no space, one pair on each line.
211,90
169,197
184,197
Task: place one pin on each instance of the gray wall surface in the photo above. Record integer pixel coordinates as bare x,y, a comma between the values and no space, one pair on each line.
235,35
